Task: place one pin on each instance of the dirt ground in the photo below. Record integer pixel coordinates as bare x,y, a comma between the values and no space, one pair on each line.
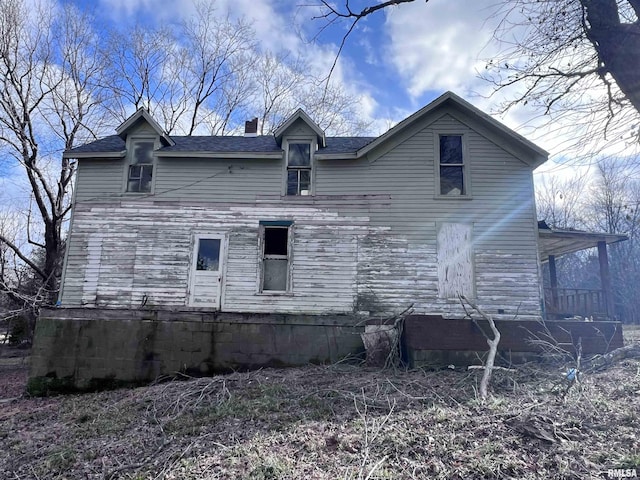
328,422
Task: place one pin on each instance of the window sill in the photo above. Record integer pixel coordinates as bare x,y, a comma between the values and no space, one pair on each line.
453,197
275,294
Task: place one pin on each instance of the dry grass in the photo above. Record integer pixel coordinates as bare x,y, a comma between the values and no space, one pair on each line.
341,421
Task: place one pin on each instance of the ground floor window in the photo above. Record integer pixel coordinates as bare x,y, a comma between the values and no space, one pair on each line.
276,248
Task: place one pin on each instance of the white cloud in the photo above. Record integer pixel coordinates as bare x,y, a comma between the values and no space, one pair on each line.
436,46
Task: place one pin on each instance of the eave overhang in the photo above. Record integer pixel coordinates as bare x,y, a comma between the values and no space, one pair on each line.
69,154
238,155
562,242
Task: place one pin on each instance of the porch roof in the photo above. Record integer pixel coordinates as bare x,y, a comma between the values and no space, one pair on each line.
560,242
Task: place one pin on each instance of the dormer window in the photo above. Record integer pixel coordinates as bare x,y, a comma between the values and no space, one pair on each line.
140,165
299,168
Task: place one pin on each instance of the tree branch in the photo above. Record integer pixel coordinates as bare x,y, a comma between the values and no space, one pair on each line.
22,257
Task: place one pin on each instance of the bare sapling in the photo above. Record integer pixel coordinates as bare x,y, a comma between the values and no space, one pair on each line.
493,346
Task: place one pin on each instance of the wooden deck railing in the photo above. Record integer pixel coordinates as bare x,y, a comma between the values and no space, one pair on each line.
575,301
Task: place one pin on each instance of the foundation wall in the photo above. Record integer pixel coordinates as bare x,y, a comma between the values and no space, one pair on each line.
90,349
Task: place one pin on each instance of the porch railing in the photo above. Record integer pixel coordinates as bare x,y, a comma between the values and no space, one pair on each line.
569,302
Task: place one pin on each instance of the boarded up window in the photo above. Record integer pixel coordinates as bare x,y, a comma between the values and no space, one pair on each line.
275,258
455,265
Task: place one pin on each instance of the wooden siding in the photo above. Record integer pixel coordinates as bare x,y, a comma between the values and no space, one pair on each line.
501,210
99,180
366,242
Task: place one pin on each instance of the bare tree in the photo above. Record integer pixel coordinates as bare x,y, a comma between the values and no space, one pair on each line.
218,51
46,100
614,207
559,202
141,74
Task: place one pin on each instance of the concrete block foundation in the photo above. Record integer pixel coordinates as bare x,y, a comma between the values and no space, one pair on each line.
91,349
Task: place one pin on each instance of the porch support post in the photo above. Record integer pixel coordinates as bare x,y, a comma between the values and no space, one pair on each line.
605,278
553,277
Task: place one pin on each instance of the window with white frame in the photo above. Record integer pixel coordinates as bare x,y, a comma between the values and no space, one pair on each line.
299,168
276,248
452,177
140,165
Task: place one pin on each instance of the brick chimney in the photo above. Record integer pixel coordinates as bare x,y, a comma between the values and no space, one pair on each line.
251,128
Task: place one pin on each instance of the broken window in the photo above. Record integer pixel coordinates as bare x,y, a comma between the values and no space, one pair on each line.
275,256
208,254
451,168
299,169
140,171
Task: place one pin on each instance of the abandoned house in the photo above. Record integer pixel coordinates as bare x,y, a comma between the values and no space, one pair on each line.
200,253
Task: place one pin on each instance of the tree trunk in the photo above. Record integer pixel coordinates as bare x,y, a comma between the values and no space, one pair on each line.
617,44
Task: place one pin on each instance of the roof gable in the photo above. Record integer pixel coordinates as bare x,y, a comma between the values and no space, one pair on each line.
526,150
300,114
142,115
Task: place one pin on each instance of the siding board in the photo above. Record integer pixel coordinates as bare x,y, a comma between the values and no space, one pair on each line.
366,242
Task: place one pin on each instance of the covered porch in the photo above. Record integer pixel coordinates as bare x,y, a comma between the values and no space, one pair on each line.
562,302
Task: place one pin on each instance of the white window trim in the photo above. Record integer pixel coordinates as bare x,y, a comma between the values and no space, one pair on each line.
466,167
130,141
261,244
313,149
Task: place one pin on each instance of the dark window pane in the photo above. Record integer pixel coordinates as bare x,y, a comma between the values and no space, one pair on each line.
451,149
305,182
134,172
142,152
292,182
275,241
145,180
299,155
275,275
451,181
208,254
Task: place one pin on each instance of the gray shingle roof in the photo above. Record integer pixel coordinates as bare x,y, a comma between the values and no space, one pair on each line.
228,144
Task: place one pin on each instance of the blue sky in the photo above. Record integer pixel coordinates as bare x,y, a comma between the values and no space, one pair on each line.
398,60
395,62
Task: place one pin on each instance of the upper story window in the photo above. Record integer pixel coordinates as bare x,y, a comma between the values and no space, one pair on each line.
299,168
140,165
451,168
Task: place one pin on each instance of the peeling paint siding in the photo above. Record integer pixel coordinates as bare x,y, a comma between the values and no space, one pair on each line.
92,268
156,261
340,264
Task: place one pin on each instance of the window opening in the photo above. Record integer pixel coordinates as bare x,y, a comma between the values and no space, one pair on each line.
299,169
275,258
140,166
452,180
